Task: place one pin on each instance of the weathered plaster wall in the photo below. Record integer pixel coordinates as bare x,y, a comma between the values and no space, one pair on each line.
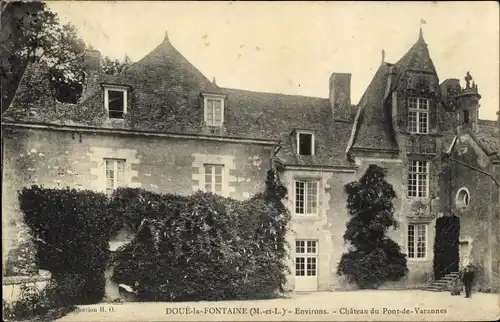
479,222
419,270
327,227
166,165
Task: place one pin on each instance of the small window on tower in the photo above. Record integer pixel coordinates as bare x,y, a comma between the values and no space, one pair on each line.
466,117
305,143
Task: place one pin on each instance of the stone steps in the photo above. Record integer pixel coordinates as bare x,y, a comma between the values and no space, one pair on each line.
442,285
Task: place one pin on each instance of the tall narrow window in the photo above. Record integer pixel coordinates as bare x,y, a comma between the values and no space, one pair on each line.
306,197
417,240
418,176
466,117
213,112
115,174
418,115
115,102
213,178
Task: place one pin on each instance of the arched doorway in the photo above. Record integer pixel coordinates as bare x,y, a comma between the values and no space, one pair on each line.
446,246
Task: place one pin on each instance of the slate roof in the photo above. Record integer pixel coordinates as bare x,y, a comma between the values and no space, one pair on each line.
374,122
165,97
489,136
373,126
269,115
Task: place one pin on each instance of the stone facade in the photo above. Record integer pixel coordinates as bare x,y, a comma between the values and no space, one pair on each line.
62,158
175,125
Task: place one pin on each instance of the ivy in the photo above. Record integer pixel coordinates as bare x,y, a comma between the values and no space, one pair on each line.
373,258
203,247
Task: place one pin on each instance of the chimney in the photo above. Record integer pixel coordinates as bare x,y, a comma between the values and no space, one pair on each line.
92,65
340,96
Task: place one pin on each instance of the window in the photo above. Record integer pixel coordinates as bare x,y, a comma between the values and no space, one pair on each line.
305,260
305,143
418,115
417,241
466,117
115,174
214,111
418,176
462,198
306,197
213,178
115,101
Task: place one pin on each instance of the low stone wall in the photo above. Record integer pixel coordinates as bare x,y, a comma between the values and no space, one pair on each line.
11,285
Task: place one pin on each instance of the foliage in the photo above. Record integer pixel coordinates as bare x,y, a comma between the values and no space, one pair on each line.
115,66
31,32
71,230
36,305
373,258
203,247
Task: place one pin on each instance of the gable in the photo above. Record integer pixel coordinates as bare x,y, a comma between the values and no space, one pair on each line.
467,148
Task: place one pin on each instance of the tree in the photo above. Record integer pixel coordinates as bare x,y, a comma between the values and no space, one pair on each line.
373,258
115,66
33,33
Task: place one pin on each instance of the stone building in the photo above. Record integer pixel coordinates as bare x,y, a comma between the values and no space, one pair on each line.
162,126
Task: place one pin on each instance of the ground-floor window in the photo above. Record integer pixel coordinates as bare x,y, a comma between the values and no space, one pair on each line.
306,257
417,241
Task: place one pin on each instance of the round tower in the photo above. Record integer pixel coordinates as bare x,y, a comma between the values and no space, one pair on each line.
468,105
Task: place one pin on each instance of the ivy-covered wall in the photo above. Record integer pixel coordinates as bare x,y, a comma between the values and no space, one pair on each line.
55,159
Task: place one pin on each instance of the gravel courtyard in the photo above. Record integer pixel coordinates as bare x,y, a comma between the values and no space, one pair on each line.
407,305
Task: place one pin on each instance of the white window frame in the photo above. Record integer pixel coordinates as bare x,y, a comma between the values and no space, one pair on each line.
115,88
206,98
115,171
223,187
306,200
313,139
426,246
305,255
419,111
460,200
417,181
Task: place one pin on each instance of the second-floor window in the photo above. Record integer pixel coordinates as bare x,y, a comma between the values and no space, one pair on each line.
306,197
115,102
213,178
115,174
418,178
418,115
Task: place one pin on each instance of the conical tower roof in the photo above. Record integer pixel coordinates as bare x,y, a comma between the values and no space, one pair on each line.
417,58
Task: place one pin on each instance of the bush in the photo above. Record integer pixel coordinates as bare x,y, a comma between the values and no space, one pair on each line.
373,258
46,305
71,230
203,247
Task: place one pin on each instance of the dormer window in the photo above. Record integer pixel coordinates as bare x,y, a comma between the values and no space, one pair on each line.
115,101
305,143
214,110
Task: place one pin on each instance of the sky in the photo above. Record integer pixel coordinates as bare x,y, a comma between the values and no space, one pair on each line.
293,47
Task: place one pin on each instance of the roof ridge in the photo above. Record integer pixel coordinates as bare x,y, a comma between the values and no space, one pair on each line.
272,93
